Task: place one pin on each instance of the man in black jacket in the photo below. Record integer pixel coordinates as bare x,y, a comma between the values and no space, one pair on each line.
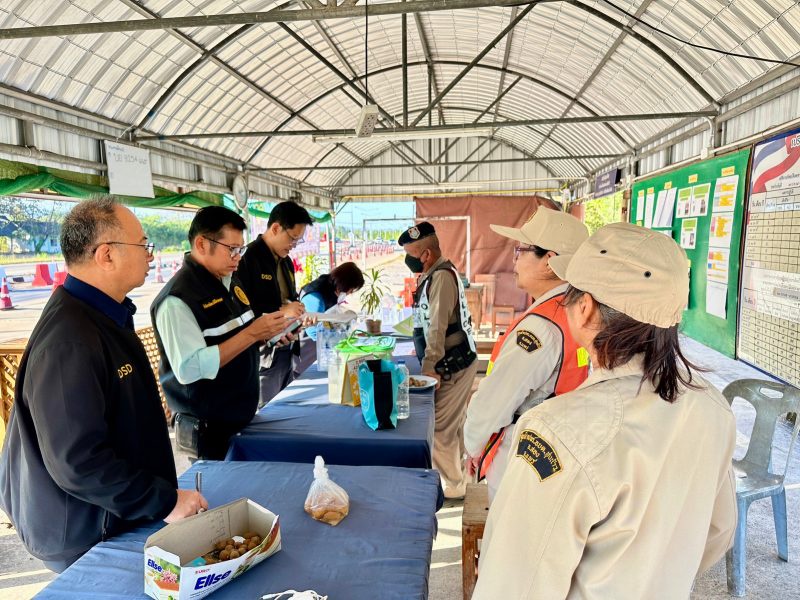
208,336
267,273
87,452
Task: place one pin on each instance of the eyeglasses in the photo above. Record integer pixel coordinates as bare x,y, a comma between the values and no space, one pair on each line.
295,240
235,250
519,250
149,246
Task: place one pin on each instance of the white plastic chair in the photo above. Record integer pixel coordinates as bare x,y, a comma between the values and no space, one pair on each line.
754,477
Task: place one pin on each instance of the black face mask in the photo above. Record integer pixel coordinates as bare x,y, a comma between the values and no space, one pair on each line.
414,264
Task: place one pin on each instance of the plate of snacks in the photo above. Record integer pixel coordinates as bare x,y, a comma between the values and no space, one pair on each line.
419,383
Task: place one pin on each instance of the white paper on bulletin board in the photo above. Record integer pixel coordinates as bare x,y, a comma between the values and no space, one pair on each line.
720,230
688,233
725,194
718,265
699,205
716,299
128,170
665,208
649,207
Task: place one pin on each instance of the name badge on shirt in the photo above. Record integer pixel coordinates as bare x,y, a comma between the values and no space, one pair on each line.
538,453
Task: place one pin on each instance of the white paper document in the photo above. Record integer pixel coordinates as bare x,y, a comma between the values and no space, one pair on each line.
716,299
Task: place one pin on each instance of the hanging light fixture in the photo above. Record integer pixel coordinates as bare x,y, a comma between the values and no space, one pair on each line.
368,117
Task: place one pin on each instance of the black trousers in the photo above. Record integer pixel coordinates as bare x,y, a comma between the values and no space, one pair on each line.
215,439
275,373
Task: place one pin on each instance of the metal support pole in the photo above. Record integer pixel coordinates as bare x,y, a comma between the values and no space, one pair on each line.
405,69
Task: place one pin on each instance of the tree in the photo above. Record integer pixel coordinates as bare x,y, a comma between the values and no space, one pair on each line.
602,211
32,220
166,234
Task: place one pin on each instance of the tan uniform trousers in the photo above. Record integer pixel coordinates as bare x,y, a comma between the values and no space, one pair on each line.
448,440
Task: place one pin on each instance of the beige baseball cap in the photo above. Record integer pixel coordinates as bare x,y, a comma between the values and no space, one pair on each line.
637,271
549,229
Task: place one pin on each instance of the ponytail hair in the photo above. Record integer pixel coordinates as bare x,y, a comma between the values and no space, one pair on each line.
622,337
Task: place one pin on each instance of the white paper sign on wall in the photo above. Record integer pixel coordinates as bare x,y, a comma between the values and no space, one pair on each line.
128,170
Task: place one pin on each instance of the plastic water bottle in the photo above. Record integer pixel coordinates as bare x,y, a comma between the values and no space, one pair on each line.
323,347
335,378
403,404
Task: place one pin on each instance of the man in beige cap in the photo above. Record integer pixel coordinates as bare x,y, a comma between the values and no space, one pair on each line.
445,348
537,357
622,488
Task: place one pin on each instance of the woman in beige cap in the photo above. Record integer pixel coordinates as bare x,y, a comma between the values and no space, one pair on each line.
537,357
622,488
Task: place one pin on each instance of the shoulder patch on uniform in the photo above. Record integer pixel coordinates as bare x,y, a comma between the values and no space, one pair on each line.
538,453
241,295
527,341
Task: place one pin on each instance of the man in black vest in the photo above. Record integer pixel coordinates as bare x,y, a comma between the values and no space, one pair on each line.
208,336
87,452
267,273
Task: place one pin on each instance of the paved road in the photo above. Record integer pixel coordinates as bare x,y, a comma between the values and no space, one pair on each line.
29,302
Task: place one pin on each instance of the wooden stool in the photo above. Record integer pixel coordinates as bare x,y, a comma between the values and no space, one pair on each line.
473,521
501,309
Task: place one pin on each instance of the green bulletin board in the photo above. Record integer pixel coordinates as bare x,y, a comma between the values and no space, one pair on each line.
702,205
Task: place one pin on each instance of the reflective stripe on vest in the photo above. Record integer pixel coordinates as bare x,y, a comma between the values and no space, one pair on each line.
573,367
421,310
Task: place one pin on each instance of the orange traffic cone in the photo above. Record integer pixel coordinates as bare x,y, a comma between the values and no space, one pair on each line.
159,276
5,296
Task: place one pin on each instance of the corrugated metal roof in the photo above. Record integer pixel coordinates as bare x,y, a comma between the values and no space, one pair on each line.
575,58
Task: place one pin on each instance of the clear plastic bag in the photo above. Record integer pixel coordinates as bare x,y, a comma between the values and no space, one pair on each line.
326,501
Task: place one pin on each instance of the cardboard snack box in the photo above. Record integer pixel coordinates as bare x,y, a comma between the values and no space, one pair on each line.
168,550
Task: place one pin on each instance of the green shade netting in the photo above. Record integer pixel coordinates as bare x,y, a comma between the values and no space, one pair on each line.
19,178
260,209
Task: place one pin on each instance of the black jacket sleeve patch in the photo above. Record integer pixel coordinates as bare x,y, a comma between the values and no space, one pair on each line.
538,453
527,341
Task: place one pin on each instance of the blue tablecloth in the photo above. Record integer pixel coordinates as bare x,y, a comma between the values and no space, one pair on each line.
382,549
300,423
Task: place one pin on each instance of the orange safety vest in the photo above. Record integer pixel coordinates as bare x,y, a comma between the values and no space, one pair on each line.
573,368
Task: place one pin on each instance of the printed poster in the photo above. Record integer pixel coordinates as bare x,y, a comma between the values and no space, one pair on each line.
699,205
684,201
725,194
720,230
718,264
688,233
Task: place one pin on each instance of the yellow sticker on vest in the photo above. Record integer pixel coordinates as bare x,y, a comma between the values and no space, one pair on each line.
213,302
538,453
241,295
527,341
583,357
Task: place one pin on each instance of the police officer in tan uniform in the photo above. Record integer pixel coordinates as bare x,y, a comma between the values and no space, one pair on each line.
445,347
622,488
537,358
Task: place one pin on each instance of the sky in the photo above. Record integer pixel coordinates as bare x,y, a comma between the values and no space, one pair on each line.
356,212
